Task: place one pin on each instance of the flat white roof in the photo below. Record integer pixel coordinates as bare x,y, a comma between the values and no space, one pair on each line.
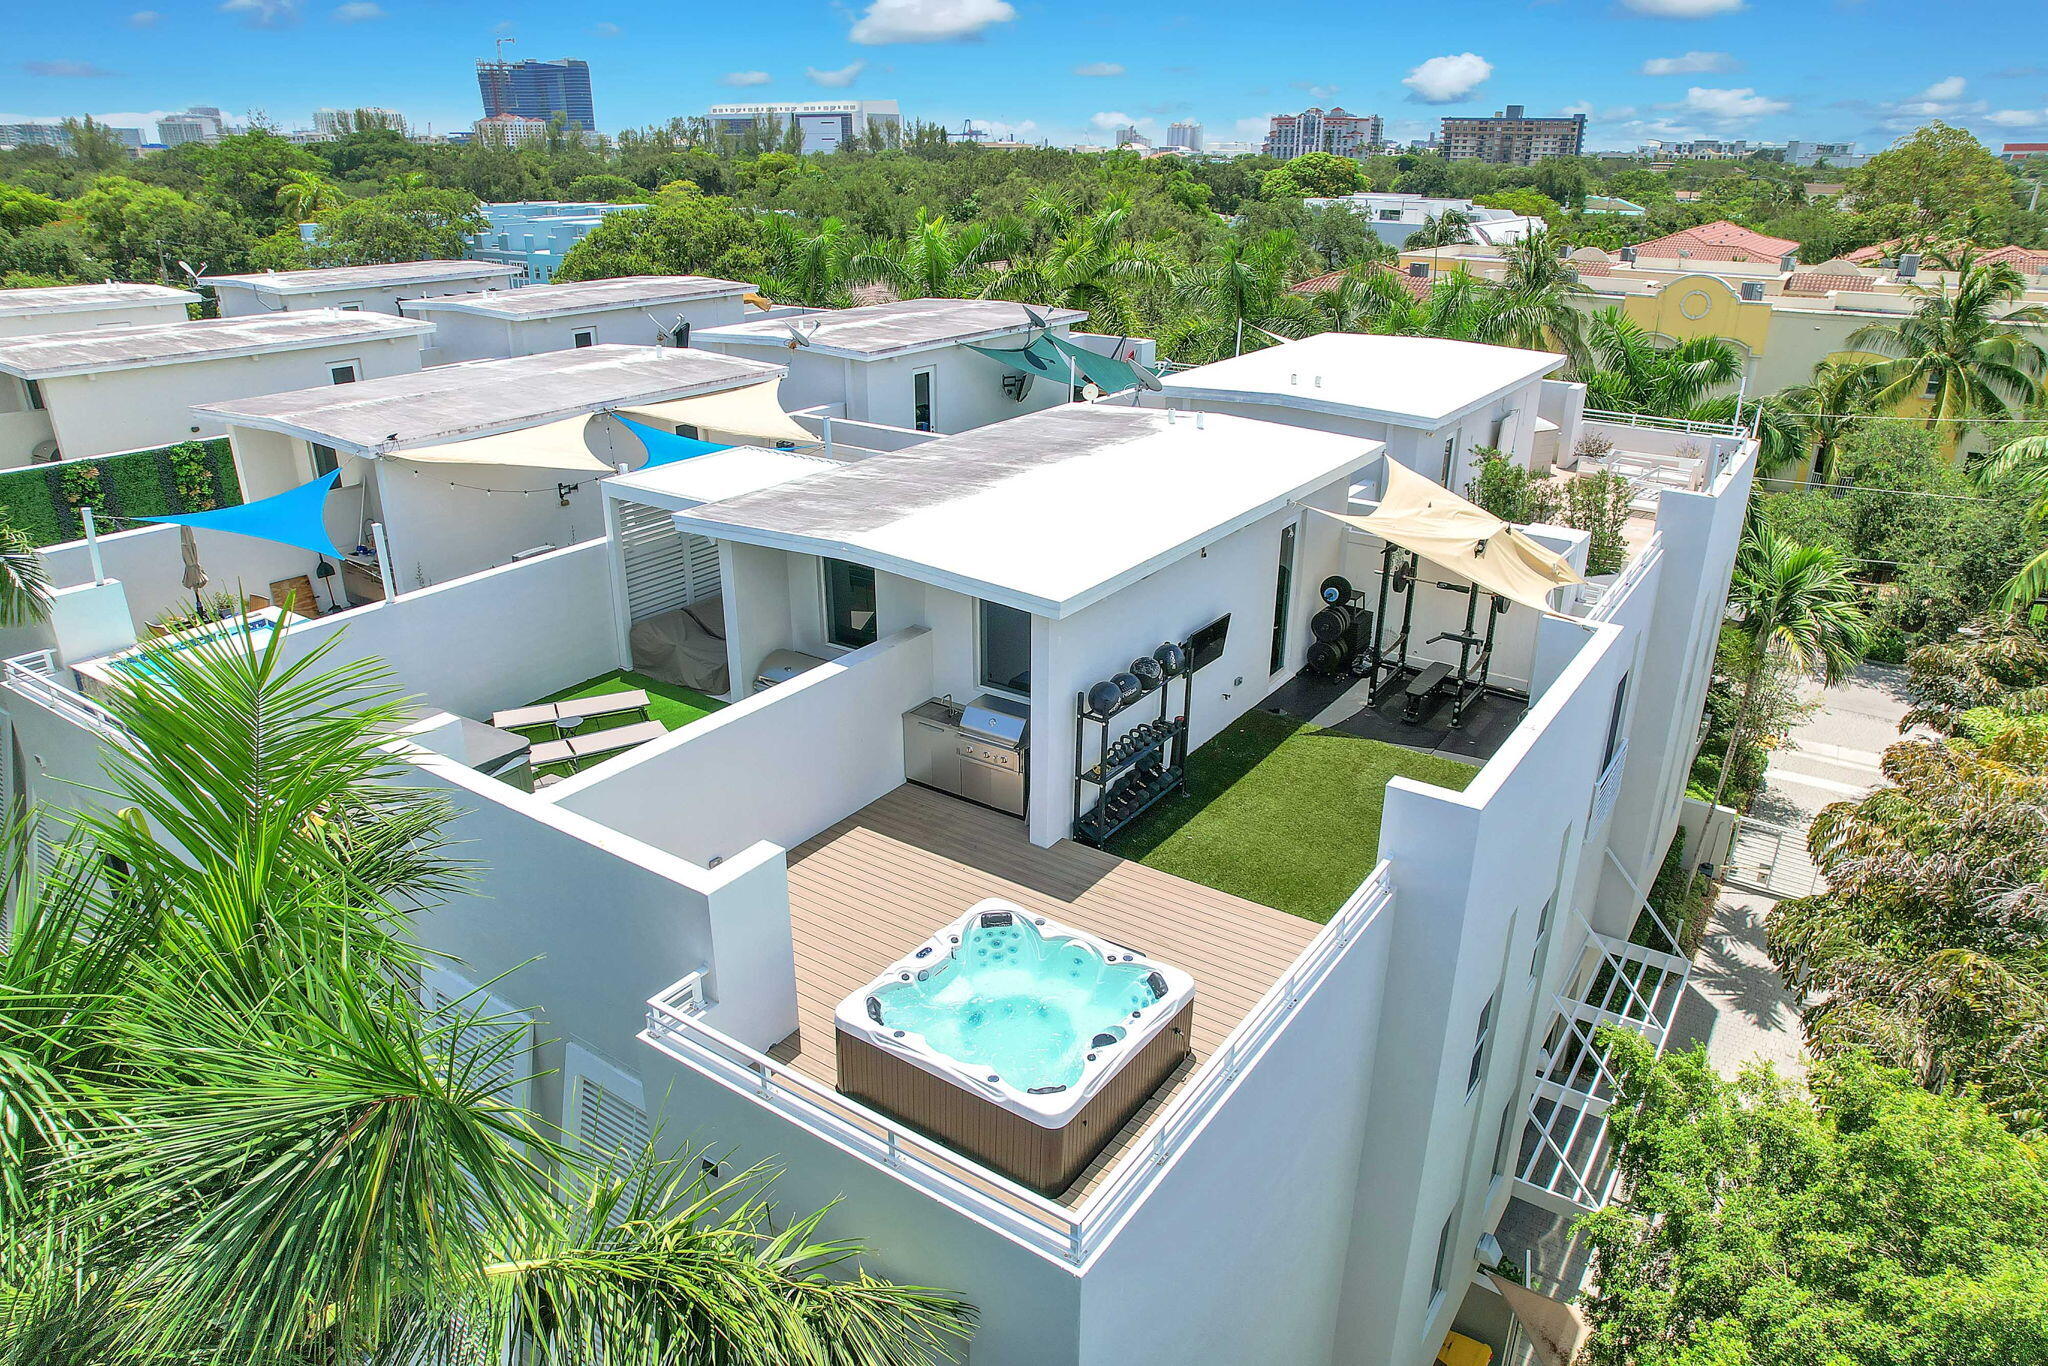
1420,382
722,474
478,398
17,303
363,277
132,346
585,296
1047,513
892,329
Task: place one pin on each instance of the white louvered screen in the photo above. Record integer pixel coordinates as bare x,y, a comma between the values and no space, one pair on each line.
509,1071
605,1109
703,558
664,569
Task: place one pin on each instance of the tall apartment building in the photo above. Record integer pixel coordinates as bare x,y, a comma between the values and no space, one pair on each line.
1188,135
200,123
1316,130
512,130
538,90
826,125
1129,136
1512,138
334,123
58,136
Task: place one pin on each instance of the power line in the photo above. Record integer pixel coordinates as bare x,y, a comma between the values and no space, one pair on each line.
1861,488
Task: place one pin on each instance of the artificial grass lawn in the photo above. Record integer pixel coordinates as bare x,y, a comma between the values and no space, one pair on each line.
1281,813
667,703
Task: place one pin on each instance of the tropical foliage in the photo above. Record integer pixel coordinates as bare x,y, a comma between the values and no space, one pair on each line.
230,1131
1963,351
1857,1219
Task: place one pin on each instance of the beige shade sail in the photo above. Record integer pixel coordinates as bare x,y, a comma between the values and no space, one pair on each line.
753,411
1556,1330
1421,515
577,443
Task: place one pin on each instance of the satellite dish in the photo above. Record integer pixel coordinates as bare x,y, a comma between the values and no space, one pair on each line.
799,336
1037,321
191,273
1146,379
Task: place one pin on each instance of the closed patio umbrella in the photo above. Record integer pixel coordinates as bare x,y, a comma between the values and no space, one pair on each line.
195,573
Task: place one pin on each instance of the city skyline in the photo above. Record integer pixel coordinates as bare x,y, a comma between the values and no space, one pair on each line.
1638,69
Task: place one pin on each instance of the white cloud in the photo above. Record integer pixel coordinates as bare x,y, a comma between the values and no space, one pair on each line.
1111,120
1683,9
1099,69
1689,63
1581,107
264,13
1008,130
2018,118
745,78
356,11
1314,91
929,21
1740,105
144,18
1444,80
1948,88
67,69
606,29
1254,130
837,80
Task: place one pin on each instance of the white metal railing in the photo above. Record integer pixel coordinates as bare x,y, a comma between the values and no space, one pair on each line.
1668,424
35,676
675,1025
1609,599
1608,788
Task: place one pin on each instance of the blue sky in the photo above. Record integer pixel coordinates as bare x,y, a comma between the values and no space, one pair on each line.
1824,69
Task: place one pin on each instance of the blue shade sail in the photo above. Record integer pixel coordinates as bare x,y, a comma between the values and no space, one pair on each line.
294,517
1035,359
665,448
1106,373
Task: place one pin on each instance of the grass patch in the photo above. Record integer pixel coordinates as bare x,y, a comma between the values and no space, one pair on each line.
673,706
1281,813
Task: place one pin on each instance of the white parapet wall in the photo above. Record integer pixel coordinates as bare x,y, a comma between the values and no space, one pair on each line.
780,765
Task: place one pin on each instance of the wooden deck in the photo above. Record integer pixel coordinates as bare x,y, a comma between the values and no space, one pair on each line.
877,884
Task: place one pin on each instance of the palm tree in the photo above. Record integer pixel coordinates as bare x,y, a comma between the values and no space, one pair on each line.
306,193
24,581
1095,265
1828,406
1447,229
1965,348
231,1132
2022,466
1797,609
1531,306
1627,372
939,259
1239,293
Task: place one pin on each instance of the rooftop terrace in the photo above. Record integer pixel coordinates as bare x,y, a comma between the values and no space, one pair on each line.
896,328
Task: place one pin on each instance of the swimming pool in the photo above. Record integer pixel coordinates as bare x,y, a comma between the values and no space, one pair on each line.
1025,1042
96,676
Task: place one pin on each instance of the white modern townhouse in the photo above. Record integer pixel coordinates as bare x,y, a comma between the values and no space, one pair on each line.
74,308
371,289
640,310
68,395
930,365
1010,879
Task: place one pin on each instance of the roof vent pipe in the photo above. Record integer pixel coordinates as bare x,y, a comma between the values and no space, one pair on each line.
1198,419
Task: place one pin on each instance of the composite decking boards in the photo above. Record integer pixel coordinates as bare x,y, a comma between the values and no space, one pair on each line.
876,885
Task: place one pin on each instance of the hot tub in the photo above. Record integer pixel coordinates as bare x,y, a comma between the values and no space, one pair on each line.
1018,1040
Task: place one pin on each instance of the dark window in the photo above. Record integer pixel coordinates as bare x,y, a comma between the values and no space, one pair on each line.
849,604
1450,457
1542,932
351,308
1443,1256
1005,648
585,338
34,391
1479,1041
344,373
326,460
921,400
1283,592
1501,1139
1614,724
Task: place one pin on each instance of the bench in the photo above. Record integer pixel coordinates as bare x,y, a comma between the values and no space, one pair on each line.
580,747
1422,688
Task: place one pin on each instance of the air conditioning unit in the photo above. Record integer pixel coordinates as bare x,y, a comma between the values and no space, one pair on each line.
1419,269
1909,264
1628,256
1752,291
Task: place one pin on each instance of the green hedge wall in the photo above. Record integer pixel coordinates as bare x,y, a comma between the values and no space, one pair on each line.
43,500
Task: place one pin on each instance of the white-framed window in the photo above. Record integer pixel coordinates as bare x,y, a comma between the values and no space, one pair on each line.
344,372
1614,723
326,460
1481,1036
1502,1139
922,412
1283,599
1003,647
1450,459
1440,1270
583,336
1542,934
32,394
849,603
356,307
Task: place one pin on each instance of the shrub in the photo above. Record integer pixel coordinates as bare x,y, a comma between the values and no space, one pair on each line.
43,500
1593,446
1597,504
1509,491
192,471
82,485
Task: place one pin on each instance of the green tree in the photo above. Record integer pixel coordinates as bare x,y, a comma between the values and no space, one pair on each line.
1797,609
23,209
1530,203
248,169
605,189
230,1132
307,194
1826,408
1627,372
144,231
1316,175
1861,1220
24,582
1965,349
681,233
1949,180
404,225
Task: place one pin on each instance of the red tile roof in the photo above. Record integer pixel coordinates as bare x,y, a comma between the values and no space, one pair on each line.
2025,260
1813,282
1718,241
1323,284
1881,251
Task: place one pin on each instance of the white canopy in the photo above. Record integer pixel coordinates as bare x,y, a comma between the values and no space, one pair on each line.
575,443
753,411
1421,515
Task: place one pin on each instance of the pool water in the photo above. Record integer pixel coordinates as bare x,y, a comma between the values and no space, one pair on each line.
142,664
1027,1008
